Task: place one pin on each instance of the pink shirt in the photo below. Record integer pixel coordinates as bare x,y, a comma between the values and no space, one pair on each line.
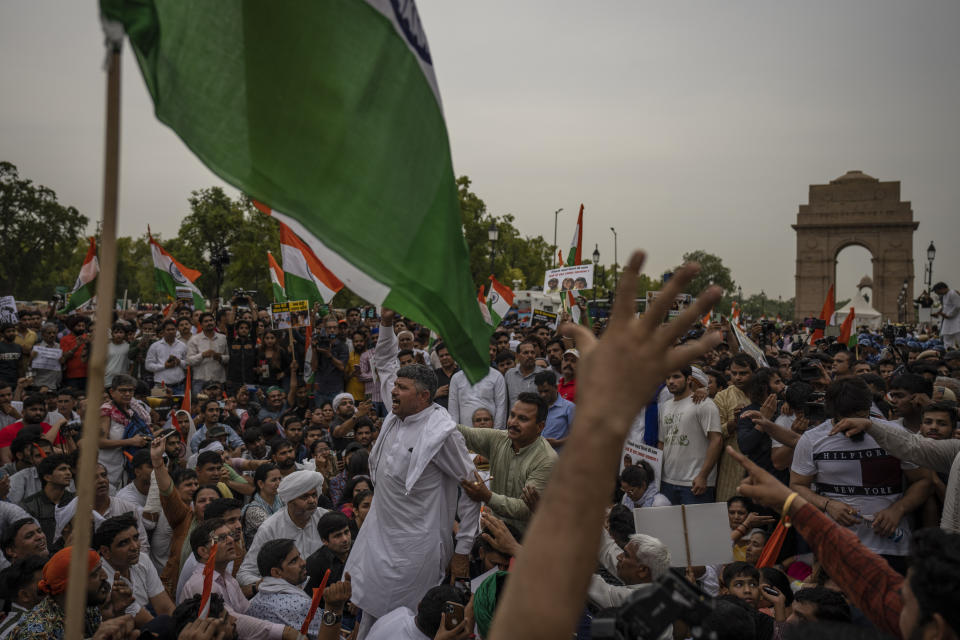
229,589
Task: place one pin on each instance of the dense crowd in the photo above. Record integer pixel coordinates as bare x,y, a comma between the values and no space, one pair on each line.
355,453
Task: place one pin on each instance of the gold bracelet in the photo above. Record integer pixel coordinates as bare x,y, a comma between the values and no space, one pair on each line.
785,512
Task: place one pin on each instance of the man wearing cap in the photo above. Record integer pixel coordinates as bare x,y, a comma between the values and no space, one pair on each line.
46,620
211,418
345,418
297,521
950,314
417,464
567,385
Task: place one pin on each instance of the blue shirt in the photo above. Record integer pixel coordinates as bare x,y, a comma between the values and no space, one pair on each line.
233,440
559,419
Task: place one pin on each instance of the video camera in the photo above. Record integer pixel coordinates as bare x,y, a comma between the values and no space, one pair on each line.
654,607
243,293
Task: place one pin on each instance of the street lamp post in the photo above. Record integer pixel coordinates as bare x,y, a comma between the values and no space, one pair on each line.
616,266
740,297
763,303
931,254
555,214
493,233
596,261
903,299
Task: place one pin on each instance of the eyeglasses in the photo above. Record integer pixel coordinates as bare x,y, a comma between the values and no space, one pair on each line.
215,539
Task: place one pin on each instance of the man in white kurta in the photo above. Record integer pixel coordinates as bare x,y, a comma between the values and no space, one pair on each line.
299,491
489,393
406,542
399,624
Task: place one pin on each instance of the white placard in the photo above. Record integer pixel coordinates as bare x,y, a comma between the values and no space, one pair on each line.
708,532
575,278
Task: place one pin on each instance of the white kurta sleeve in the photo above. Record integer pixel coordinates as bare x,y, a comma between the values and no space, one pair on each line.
500,401
453,460
453,401
385,361
248,572
153,362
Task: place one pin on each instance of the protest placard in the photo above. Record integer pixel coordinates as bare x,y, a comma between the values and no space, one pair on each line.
696,534
548,317
290,315
8,309
681,302
568,278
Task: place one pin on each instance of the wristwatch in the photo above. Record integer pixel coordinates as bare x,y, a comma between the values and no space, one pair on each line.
331,619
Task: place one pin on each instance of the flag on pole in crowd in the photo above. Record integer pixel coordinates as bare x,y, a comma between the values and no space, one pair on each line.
847,336
168,274
826,314
355,157
208,570
559,258
308,369
749,346
499,300
779,319
276,279
305,277
576,244
735,315
86,285
187,404
484,308
706,320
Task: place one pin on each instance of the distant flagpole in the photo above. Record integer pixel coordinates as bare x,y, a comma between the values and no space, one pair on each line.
96,366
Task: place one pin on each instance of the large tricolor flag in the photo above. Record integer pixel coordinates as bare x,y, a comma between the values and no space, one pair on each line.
826,314
276,279
576,244
330,113
499,300
86,285
168,274
305,277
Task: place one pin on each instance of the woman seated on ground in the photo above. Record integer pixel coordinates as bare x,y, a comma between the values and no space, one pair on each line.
265,502
350,491
638,488
362,501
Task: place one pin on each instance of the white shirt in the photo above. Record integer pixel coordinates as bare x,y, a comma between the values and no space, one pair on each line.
950,307
860,474
156,360
208,368
399,624
188,569
489,393
279,525
118,507
117,360
416,465
144,582
23,483
160,545
130,493
684,426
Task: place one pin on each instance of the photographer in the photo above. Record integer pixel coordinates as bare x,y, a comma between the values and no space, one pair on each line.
331,355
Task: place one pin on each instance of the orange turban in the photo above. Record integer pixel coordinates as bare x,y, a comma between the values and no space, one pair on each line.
57,570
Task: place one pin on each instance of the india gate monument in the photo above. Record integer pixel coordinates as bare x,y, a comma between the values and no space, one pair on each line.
855,209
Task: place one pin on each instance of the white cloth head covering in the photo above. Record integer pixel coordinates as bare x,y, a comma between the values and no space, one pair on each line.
64,515
697,374
213,446
340,397
298,483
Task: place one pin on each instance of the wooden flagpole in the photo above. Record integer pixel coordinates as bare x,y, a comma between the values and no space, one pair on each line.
96,366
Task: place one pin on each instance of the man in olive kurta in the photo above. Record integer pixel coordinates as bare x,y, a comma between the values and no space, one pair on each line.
519,456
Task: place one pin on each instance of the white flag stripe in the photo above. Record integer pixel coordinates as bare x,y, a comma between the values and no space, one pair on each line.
356,280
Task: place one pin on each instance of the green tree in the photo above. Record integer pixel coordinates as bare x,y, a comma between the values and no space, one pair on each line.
218,225
38,237
512,251
712,271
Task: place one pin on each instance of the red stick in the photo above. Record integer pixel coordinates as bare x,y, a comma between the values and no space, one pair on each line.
317,595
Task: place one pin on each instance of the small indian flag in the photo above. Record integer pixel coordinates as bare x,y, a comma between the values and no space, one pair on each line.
276,279
169,275
208,570
85,287
499,300
484,308
576,244
305,277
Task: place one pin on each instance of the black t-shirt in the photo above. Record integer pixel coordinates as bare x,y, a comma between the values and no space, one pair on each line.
10,355
443,379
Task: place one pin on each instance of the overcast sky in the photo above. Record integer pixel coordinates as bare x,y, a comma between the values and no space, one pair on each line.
694,125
